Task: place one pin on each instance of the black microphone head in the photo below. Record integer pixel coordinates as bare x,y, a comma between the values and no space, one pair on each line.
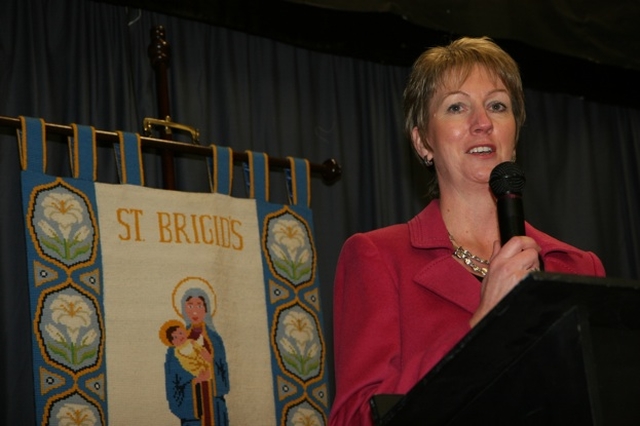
507,178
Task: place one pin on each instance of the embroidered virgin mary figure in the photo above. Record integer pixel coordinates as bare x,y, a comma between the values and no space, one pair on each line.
196,371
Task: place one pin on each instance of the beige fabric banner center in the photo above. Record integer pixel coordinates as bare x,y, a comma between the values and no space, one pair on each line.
156,246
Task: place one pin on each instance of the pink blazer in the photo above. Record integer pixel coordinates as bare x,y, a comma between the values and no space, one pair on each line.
401,302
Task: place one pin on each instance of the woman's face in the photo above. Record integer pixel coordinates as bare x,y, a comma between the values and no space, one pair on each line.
195,310
471,130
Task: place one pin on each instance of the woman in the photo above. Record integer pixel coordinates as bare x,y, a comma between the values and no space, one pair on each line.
402,296
199,400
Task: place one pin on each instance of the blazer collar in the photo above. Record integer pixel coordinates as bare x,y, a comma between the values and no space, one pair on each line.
427,229
441,274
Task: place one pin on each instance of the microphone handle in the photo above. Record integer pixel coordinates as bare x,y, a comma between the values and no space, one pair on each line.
510,216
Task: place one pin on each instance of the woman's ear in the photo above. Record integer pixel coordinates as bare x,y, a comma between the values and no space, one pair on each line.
421,148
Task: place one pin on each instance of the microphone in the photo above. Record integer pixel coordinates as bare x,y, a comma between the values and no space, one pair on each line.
507,182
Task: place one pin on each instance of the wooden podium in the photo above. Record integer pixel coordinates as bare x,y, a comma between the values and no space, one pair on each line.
558,350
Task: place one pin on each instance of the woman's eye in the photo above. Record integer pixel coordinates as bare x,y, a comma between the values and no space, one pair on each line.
497,107
455,108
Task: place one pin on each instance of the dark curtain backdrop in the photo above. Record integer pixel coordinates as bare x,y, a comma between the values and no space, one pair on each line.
84,62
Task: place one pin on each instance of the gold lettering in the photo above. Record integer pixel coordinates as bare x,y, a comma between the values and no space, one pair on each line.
180,223
164,222
194,225
206,230
224,233
216,230
175,227
240,244
124,216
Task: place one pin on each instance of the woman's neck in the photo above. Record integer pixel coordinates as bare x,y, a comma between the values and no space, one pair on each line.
472,221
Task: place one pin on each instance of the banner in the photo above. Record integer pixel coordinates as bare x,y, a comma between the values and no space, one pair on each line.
170,308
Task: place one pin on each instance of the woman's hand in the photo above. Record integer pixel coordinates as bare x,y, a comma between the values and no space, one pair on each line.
509,265
202,376
208,356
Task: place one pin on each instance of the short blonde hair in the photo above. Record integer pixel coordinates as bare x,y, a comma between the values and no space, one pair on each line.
439,65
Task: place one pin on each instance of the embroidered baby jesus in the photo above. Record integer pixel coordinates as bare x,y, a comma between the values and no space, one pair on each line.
191,354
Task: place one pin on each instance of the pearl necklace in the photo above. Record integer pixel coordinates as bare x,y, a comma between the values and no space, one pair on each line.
469,258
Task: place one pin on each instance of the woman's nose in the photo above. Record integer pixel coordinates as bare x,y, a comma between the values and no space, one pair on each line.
481,121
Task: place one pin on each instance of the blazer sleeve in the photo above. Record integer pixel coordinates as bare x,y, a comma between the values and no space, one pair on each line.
366,331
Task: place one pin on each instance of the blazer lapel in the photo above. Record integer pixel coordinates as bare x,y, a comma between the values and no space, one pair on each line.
448,279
